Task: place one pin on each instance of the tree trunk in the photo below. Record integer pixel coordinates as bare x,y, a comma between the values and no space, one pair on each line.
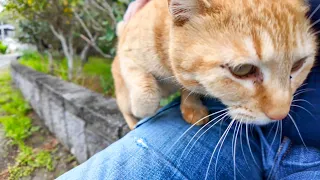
67,47
70,68
70,57
51,66
84,54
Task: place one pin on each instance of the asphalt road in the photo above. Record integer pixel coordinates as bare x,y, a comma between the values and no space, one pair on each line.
6,59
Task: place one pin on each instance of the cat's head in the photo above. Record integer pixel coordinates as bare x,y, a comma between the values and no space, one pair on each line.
251,54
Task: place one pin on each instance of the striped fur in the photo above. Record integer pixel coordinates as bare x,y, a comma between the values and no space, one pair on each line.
191,43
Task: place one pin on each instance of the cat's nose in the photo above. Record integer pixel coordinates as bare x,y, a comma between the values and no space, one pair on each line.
277,113
276,104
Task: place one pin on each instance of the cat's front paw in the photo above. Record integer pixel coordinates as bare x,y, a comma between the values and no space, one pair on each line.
144,103
195,113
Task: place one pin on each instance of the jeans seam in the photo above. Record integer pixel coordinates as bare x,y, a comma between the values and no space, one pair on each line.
278,155
287,151
164,109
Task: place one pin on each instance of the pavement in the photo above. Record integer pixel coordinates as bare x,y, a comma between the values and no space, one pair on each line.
6,59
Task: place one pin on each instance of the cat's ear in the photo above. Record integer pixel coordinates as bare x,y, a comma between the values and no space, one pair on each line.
183,10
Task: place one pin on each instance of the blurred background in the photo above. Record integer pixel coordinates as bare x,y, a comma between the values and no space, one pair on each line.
72,39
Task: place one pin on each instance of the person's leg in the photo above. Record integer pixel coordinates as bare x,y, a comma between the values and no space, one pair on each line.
160,148
287,160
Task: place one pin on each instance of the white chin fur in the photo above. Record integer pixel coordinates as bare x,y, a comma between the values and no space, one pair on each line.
245,117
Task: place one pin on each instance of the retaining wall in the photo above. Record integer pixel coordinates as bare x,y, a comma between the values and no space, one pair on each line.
85,122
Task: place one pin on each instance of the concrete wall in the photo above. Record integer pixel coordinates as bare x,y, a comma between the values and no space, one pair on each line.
85,122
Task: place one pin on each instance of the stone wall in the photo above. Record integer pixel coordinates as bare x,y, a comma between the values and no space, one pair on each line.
85,122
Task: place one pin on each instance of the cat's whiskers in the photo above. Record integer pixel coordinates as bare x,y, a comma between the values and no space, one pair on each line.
295,124
181,156
221,139
271,171
314,12
188,96
224,136
241,143
249,145
171,77
271,129
234,142
303,100
302,85
313,24
316,33
302,91
280,134
224,115
164,79
183,134
251,129
221,120
274,138
232,149
236,130
304,109
215,165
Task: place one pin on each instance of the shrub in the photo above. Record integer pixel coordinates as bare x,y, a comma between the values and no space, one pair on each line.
3,48
101,68
35,61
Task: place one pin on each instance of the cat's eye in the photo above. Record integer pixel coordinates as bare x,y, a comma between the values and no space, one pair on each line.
244,70
296,66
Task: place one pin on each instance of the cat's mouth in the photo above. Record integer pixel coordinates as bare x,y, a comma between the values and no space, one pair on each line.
248,117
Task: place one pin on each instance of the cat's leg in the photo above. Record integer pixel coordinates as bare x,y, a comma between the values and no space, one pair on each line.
122,95
168,87
192,108
144,93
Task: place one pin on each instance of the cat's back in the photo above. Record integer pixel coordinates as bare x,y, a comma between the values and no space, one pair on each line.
145,38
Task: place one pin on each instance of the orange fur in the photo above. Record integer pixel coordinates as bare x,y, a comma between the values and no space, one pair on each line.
193,43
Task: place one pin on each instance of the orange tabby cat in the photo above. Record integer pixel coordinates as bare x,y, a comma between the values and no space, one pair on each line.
250,54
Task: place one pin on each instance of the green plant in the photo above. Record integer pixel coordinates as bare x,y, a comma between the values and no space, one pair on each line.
3,48
101,68
16,106
168,100
61,69
18,127
30,55
28,160
108,85
35,61
96,68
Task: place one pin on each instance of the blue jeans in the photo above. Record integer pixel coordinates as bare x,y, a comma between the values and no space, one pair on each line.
166,147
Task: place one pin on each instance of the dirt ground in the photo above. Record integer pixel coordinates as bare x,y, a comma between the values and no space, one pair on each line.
42,139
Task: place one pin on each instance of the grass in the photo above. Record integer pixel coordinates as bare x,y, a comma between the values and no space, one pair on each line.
18,127
28,160
3,48
98,67
95,75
